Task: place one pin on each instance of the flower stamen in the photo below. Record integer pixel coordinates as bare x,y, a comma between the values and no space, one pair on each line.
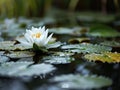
37,35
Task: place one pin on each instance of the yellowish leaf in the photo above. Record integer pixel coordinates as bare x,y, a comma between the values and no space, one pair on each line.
108,57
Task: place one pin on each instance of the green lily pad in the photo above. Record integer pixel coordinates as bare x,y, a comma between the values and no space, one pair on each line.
54,45
58,59
70,31
86,48
103,31
63,53
18,69
19,54
71,81
61,30
111,43
10,45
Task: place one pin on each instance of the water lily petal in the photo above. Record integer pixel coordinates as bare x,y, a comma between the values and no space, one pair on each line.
48,38
39,36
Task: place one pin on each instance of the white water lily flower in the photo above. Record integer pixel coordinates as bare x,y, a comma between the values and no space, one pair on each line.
38,36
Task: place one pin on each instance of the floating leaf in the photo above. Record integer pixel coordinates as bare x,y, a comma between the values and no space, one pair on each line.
54,45
10,45
71,81
103,31
36,69
58,59
4,59
108,57
78,40
111,43
27,59
10,68
2,52
86,48
70,31
63,53
24,69
19,54
61,30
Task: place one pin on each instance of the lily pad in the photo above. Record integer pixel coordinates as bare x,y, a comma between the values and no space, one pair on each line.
10,45
19,54
70,31
61,30
111,43
54,45
86,48
103,31
36,69
4,59
63,53
18,69
10,68
71,81
79,40
58,59
108,57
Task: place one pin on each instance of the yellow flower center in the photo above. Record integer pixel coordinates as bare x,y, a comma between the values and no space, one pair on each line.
36,35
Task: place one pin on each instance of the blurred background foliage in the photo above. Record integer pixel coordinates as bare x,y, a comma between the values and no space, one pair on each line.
38,8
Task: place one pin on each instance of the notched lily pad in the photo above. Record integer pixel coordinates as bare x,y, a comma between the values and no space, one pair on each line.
103,31
71,81
58,59
10,45
19,54
18,69
108,57
86,48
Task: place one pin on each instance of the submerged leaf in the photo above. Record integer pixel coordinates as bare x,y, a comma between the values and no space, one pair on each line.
86,48
16,69
108,57
58,59
63,54
19,54
95,17
71,81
